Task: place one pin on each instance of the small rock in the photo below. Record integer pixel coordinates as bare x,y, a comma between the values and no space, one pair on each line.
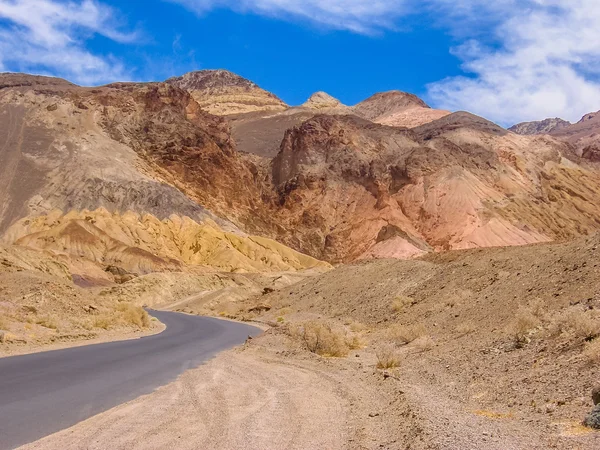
2,336
373,414
593,418
596,395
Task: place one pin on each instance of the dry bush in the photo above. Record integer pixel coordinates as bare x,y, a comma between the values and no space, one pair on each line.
522,327
357,327
47,322
584,325
401,334
592,351
423,343
321,339
465,328
538,308
387,357
400,303
86,324
103,321
355,343
134,315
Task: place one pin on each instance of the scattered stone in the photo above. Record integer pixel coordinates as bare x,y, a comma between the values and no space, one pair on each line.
596,395
593,418
52,107
260,308
373,414
2,336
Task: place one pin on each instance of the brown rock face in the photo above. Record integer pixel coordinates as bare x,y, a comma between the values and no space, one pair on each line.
545,126
385,103
457,182
397,109
223,93
339,188
583,135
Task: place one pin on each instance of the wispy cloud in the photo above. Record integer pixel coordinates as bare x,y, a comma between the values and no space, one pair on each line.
49,36
360,16
543,61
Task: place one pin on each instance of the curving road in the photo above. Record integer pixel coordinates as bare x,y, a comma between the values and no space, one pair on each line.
42,393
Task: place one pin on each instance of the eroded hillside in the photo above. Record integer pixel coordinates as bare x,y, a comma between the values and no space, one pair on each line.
339,188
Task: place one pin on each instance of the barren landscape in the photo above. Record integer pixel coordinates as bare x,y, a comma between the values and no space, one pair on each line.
425,279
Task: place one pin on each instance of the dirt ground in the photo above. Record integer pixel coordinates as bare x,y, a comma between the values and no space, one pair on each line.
491,349
272,394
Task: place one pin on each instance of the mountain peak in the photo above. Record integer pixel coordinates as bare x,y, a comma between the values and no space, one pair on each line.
321,100
211,79
539,127
221,92
386,103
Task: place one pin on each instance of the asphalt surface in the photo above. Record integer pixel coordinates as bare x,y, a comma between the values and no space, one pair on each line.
43,393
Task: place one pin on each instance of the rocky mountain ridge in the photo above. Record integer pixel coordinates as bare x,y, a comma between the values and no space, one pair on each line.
336,186
545,126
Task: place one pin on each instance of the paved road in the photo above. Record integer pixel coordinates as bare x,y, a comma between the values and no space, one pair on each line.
42,393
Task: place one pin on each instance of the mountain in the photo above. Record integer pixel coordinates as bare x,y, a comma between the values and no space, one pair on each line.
100,175
336,187
397,109
584,136
223,93
545,126
322,100
354,189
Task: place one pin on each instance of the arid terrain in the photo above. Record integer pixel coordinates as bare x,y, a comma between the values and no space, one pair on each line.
425,278
477,349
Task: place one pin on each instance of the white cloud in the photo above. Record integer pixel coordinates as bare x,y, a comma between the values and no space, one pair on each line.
545,63
360,16
49,36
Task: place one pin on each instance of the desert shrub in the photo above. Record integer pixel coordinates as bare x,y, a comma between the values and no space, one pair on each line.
387,357
401,334
522,327
3,323
538,308
423,343
400,303
280,319
465,328
134,315
321,339
47,322
355,343
592,351
357,327
103,321
86,324
583,325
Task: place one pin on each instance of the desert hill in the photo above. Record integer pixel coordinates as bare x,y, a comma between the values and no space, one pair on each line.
583,135
87,169
545,126
223,93
501,336
334,186
397,109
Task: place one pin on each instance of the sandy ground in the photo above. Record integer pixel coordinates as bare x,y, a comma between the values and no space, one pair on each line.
270,395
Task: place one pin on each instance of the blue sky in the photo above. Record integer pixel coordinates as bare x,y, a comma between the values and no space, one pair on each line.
508,60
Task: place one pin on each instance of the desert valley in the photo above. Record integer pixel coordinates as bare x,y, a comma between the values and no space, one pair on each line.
423,278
